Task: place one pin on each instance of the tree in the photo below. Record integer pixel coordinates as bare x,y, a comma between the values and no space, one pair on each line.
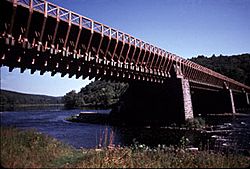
97,94
70,99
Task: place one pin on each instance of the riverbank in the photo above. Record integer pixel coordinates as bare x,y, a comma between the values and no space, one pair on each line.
29,149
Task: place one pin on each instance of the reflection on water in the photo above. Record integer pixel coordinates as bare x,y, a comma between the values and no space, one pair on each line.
53,123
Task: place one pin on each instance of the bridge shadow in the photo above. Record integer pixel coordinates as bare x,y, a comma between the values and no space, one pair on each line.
153,104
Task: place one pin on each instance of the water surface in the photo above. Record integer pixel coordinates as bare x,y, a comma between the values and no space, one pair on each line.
86,135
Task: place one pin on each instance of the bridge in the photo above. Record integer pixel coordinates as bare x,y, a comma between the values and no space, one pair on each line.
41,36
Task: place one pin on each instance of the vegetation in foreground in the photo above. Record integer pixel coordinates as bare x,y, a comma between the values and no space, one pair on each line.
28,149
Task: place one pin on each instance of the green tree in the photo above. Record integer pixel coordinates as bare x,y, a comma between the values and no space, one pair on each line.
70,99
98,94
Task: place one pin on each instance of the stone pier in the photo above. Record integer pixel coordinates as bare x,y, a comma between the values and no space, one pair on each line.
247,99
187,101
229,101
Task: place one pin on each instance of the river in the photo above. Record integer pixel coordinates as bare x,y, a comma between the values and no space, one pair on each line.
84,135
53,123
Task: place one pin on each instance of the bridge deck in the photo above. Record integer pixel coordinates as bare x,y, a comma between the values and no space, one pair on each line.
39,35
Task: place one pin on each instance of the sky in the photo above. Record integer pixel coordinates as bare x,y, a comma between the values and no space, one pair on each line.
187,28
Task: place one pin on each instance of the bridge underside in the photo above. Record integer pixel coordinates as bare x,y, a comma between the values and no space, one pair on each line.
47,42
175,101
144,103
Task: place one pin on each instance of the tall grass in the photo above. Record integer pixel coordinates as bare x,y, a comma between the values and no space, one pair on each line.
28,149
127,157
106,138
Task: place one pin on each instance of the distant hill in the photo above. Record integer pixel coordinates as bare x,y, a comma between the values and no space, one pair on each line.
9,100
236,67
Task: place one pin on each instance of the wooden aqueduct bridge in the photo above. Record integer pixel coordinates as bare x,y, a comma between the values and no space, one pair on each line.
41,36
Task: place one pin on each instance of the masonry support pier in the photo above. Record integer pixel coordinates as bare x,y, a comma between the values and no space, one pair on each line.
247,99
187,101
230,100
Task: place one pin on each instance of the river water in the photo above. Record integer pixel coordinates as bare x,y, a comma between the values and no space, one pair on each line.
52,122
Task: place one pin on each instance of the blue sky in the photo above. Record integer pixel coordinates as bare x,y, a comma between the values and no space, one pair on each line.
185,27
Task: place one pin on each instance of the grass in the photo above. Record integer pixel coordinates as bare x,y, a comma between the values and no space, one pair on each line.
164,158
29,149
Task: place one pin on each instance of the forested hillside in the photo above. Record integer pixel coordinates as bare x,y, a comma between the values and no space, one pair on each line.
9,99
236,67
